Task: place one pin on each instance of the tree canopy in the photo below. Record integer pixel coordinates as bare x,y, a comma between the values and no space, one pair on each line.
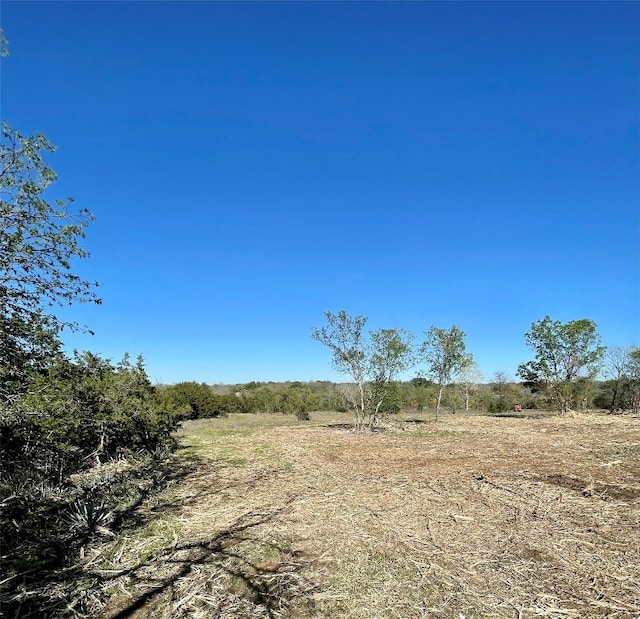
564,353
373,361
65,424
445,354
38,242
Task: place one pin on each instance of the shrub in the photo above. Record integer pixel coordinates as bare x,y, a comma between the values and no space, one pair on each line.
59,440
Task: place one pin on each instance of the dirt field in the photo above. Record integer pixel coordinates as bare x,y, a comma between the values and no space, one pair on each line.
469,517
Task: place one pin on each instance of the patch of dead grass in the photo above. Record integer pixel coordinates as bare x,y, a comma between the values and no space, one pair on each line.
468,517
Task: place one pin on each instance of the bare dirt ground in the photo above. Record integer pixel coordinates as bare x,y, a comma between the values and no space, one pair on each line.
469,517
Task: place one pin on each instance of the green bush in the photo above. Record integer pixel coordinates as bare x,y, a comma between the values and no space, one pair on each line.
79,445
198,401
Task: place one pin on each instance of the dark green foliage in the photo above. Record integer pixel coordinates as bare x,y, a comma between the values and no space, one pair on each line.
81,440
389,395
27,346
80,414
421,381
610,395
417,394
616,396
94,410
45,526
621,391
294,398
198,401
299,399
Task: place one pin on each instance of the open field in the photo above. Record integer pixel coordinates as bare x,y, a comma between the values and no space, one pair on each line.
469,517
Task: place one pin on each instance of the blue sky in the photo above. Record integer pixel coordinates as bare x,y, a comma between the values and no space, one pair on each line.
252,165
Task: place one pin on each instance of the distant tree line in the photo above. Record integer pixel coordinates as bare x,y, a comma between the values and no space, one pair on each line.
192,400
568,358
499,394
563,375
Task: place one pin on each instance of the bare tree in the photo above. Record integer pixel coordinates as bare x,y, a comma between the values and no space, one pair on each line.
634,375
617,366
622,368
469,377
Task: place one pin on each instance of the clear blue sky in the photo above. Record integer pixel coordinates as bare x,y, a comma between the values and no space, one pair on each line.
251,165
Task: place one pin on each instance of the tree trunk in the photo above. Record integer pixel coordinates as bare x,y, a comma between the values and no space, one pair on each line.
614,398
360,414
439,400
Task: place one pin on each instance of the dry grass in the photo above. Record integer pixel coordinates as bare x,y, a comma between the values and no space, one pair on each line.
467,517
